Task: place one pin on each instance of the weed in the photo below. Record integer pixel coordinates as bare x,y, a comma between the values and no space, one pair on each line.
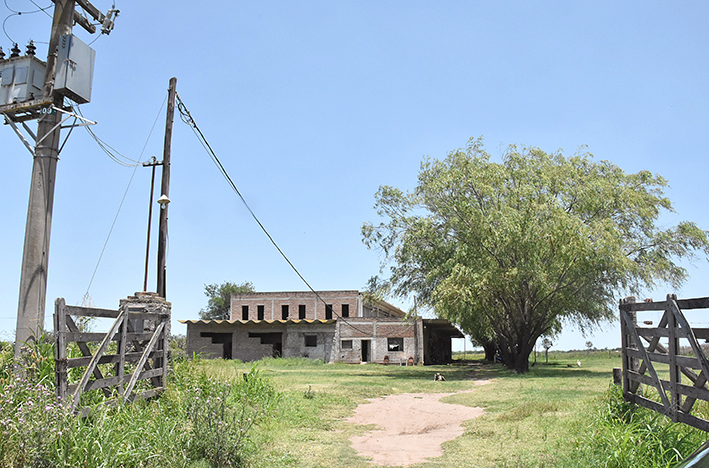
222,415
309,394
622,434
32,423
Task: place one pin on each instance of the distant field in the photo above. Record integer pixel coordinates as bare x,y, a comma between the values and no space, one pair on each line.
530,420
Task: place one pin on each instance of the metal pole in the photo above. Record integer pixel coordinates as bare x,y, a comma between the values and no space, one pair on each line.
152,163
35,257
162,236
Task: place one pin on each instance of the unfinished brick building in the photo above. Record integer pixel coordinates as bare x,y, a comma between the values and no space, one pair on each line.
335,326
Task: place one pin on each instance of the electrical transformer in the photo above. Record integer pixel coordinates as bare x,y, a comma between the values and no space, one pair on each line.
75,69
21,79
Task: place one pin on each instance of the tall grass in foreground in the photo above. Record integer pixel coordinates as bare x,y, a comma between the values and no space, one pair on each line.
199,421
211,416
622,434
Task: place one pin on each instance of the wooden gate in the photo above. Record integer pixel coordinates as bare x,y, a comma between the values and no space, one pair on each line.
652,356
141,332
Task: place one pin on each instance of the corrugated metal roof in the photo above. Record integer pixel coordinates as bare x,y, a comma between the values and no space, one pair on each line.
247,322
443,326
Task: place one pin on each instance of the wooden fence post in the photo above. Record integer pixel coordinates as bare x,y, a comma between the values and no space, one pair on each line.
60,363
675,376
629,363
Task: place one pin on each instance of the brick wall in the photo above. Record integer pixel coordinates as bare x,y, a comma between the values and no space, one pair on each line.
375,334
204,346
251,342
321,334
273,302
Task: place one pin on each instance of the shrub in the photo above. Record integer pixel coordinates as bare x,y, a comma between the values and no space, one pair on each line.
223,413
622,434
33,421
197,420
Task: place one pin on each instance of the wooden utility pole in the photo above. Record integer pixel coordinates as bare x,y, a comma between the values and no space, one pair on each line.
35,258
165,196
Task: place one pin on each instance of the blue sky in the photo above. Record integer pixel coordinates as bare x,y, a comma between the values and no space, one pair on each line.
311,106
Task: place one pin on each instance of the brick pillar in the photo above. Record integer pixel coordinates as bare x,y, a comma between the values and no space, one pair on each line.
158,310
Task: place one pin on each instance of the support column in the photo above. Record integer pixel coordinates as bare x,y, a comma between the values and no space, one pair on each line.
35,257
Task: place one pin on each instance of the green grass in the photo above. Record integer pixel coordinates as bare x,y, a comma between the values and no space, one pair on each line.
557,415
529,418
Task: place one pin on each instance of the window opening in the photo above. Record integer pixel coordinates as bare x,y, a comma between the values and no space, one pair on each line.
259,312
328,311
345,310
244,312
284,311
346,344
395,344
301,311
311,341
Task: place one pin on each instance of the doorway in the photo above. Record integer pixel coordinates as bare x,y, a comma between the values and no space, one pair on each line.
365,350
274,339
220,338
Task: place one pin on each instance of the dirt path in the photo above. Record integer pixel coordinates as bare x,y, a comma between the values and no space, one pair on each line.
410,427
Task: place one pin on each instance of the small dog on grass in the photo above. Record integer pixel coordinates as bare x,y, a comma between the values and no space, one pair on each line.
438,377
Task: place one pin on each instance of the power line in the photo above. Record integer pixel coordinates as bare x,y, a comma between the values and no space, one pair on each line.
124,199
20,13
112,153
187,118
43,10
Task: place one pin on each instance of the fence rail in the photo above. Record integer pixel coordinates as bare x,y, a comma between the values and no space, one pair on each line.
134,349
651,357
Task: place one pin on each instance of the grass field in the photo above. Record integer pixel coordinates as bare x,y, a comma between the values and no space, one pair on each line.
536,419
558,415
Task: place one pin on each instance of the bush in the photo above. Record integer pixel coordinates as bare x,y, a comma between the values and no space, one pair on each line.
33,421
622,434
223,413
197,420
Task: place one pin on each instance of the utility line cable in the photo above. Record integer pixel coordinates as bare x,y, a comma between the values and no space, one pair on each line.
112,153
43,10
86,295
20,13
187,118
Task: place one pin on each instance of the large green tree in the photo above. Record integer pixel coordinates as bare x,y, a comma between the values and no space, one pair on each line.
513,250
219,295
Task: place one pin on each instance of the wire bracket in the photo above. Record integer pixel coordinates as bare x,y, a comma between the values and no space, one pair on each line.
68,114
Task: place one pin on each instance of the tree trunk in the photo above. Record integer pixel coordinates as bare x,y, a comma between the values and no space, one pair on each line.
490,351
515,360
521,363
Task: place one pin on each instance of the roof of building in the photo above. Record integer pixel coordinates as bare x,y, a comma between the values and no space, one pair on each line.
443,326
247,322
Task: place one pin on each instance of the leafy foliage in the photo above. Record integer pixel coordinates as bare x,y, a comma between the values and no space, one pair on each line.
36,429
219,303
223,413
512,250
622,434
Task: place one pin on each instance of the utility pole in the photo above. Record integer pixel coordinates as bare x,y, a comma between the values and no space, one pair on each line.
164,199
35,257
151,163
